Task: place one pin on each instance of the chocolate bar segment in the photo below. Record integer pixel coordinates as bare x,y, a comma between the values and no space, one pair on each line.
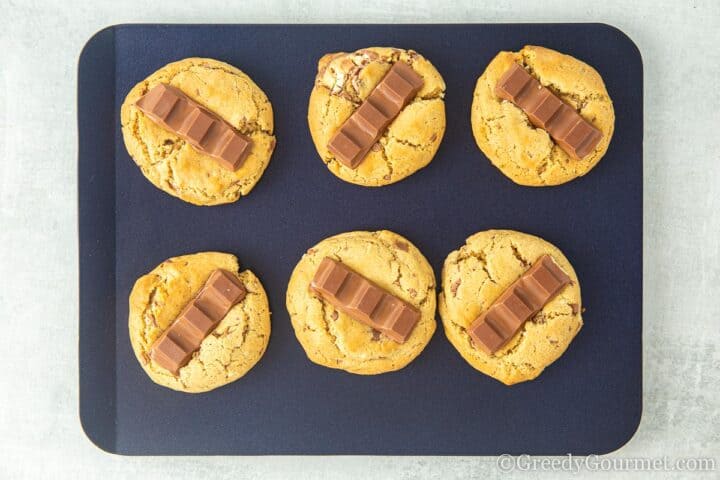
364,301
572,132
170,108
174,348
520,302
352,142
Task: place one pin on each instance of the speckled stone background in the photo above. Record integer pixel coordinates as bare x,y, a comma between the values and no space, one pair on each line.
40,435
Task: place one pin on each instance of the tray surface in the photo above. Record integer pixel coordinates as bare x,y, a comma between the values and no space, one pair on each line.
589,401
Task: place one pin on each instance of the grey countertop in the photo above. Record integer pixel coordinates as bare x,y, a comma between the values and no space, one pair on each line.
39,46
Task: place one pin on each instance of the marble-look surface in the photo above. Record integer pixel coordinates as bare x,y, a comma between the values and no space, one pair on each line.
40,41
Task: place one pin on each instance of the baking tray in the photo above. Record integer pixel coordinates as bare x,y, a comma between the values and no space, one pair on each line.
589,401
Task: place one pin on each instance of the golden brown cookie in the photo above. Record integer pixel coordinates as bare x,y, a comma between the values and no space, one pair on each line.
344,80
229,352
332,338
171,163
475,275
526,154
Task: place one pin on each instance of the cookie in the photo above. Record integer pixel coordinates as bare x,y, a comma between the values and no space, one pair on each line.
475,275
229,352
526,154
332,338
170,162
344,80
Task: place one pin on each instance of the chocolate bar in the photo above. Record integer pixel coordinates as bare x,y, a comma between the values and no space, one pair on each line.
364,301
520,302
573,133
209,134
358,134
174,348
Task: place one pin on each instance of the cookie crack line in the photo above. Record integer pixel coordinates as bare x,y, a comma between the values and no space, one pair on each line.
408,143
510,158
327,328
255,125
150,307
525,263
385,157
391,248
480,256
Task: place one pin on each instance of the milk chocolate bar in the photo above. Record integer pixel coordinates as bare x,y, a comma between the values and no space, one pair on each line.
573,133
174,348
173,110
364,301
520,302
358,134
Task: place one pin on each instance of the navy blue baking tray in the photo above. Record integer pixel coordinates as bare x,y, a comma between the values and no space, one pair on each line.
589,401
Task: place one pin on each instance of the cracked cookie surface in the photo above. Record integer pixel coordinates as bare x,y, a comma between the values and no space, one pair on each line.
229,352
344,80
172,164
334,339
475,275
526,154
